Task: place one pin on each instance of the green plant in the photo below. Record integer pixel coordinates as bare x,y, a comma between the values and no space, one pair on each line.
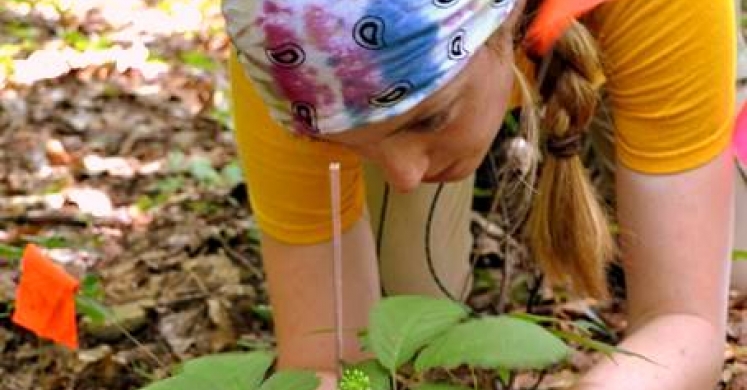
414,339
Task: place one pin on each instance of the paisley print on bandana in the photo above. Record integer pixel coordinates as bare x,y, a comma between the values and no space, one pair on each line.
325,66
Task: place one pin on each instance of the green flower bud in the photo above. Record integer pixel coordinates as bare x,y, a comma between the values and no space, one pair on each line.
354,379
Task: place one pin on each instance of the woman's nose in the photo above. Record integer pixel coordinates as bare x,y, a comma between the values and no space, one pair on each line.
404,172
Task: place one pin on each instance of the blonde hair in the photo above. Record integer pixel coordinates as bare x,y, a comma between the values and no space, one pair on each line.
567,228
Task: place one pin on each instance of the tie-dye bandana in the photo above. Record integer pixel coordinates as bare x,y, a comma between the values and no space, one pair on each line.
327,66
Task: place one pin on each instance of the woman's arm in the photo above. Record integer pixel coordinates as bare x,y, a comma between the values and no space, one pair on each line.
676,247
301,287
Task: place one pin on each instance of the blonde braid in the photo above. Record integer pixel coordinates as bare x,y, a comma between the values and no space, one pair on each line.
567,228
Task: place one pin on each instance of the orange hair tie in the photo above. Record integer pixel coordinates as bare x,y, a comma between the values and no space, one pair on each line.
45,299
553,18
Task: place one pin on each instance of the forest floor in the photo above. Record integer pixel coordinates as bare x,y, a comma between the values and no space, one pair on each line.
117,156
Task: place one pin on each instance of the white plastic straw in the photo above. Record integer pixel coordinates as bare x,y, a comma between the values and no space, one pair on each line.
334,175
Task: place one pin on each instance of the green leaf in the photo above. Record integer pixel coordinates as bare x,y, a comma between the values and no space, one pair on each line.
76,39
244,371
504,375
537,319
740,256
6,308
53,242
439,386
22,30
229,371
177,161
96,311
494,342
232,174
598,346
296,380
483,281
376,373
512,124
10,252
255,235
482,193
262,312
145,203
400,326
588,327
199,60
202,169
170,185
175,383
90,287
364,340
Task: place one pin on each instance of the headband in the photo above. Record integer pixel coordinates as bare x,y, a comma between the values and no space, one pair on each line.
328,66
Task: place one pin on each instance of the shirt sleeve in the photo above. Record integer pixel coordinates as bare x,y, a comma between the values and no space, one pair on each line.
671,76
287,175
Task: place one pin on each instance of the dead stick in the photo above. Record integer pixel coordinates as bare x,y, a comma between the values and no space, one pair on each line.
48,219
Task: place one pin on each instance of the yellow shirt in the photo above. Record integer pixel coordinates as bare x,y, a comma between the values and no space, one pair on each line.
670,68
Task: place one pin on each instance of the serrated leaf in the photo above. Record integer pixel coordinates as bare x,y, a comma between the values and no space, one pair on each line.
295,380
494,342
377,373
400,326
229,371
240,371
440,386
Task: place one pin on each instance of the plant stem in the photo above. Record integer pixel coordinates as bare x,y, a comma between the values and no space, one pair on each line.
140,345
542,375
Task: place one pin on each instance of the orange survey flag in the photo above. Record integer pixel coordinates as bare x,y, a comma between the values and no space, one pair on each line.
553,18
45,299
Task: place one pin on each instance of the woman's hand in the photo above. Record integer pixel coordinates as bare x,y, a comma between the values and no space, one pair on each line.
329,380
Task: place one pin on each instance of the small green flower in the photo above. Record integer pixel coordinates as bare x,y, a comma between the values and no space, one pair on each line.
354,379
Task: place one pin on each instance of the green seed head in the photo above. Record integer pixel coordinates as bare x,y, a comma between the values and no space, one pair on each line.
355,379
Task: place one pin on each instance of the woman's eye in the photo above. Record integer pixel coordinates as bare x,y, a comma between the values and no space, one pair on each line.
430,123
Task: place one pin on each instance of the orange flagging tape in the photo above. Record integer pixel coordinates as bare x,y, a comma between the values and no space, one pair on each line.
45,299
553,18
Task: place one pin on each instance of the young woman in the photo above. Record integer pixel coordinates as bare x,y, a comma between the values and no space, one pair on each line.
416,91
